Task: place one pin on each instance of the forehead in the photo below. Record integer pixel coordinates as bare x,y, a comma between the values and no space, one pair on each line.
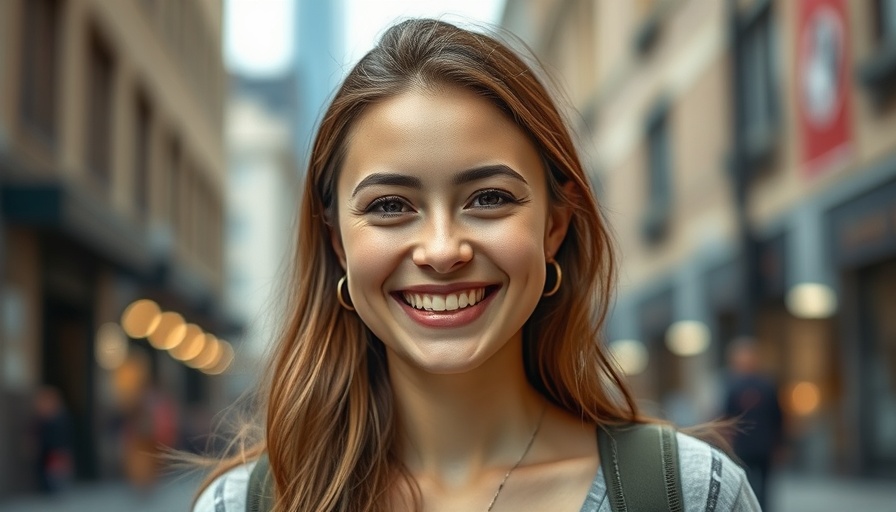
436,132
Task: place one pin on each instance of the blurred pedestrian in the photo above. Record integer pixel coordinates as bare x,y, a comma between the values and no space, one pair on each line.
752,400
150,427
53,436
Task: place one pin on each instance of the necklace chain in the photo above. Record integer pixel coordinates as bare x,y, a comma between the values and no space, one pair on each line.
520,460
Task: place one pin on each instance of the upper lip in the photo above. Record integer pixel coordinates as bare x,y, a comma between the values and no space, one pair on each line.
443,289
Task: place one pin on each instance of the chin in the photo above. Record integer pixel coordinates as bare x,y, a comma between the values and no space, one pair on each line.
445,366
448,357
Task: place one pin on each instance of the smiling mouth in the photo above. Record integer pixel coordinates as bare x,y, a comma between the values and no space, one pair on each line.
446,302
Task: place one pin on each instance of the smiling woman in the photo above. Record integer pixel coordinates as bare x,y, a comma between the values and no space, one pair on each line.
453,271
447,197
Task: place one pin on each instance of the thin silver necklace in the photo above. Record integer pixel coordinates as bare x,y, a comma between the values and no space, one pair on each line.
518,462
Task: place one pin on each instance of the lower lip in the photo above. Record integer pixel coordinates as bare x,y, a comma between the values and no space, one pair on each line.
447,319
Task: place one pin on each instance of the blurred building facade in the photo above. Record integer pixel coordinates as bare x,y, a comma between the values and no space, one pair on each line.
745,154
113,183
264,194
318,53
270,124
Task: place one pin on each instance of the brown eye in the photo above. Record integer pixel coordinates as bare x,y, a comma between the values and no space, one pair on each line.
491,199
391,207
388,206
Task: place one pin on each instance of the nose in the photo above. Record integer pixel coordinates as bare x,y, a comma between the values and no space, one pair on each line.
442,246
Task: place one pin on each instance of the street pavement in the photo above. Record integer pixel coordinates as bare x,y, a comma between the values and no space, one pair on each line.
173,494
790,493
805,493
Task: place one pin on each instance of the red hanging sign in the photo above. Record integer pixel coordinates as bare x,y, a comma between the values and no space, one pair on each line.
823,84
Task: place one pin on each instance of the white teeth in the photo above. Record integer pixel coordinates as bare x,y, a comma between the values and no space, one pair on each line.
448,302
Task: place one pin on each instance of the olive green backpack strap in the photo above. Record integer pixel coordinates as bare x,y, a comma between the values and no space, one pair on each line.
640,465
260,491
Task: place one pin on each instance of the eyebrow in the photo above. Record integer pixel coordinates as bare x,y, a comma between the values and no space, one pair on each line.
487,171
467,176
388,178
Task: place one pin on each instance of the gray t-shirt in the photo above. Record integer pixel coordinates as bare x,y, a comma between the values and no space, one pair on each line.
710,482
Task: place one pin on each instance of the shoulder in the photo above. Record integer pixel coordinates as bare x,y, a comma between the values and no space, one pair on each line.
710,480
227,493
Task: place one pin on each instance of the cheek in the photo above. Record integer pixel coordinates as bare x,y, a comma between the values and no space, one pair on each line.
515,246
518,248
371,255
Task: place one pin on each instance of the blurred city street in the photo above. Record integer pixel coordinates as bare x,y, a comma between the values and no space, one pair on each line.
153,154
169,495
802,493
791,493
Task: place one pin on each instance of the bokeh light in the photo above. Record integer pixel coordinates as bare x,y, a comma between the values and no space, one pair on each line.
687,338
192,344
811,301
805,397
170,331
225,359
630,355
111,346
141,318
208,355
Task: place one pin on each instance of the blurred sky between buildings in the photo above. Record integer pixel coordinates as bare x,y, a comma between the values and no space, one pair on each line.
258,34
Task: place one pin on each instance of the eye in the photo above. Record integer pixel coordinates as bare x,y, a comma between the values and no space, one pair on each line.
388,206
491,199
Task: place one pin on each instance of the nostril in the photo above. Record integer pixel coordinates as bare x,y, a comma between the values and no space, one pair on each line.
442,255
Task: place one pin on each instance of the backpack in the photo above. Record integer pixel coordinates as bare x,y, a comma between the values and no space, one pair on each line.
644,459
640,457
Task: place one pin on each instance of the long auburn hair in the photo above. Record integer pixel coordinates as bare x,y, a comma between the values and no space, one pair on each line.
330,431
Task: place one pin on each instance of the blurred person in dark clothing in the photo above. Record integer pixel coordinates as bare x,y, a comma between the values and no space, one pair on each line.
150,428
53,437
752,400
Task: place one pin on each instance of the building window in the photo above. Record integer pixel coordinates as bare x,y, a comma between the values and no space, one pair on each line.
659,171
149,6
99,105
647,31
213,222
886,21
217,239
878,72
175,158
39,62
142,155
200,217
758,83
188,200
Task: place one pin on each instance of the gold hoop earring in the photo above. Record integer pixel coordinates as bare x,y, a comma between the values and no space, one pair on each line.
339,297
559,280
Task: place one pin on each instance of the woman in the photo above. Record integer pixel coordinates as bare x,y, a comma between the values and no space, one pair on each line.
453,272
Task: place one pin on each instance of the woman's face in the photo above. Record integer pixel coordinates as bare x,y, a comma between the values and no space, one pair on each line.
444,227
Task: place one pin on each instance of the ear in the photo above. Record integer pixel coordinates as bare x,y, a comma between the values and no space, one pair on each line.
559,217
336,242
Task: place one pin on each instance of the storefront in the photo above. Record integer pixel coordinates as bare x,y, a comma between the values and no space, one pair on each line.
67,325
661,381
799,354
73,266
863,232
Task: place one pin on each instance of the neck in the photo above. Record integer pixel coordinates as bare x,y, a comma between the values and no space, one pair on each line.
456,425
